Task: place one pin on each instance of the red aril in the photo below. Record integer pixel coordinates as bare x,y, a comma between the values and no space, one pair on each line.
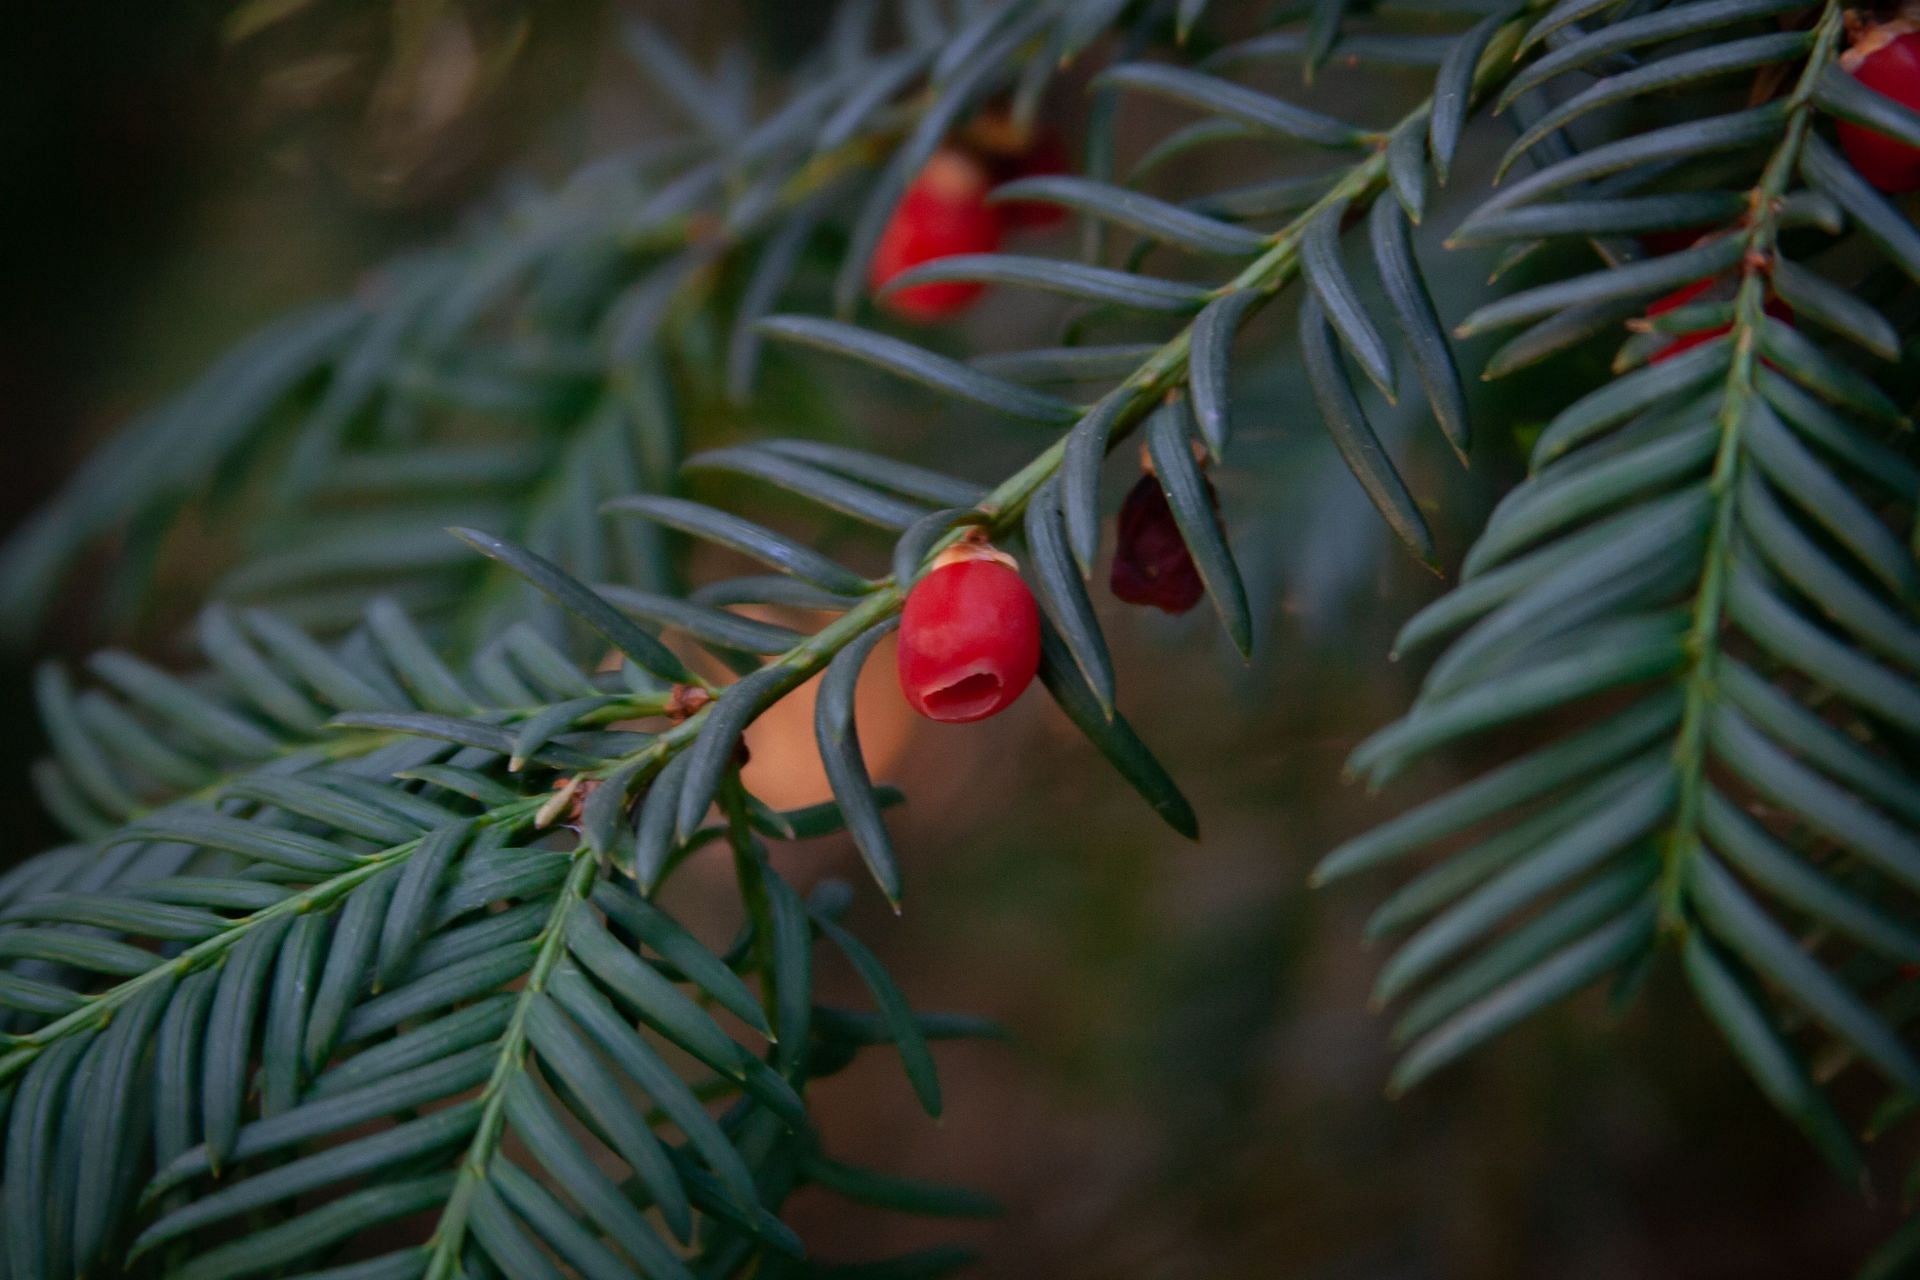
1045,155
943,212
1661,243
1716,288
969,637
1885,59
1010,150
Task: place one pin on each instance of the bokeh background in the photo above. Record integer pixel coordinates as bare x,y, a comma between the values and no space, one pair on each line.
1193,1084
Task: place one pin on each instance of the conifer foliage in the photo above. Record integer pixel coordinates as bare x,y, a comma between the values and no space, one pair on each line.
357,926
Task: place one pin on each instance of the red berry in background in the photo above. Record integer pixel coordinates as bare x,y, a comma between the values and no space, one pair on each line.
1661,243
1151,563
944,212
1713,289
1047,155
969,637
1695,292
1012,150
1885,59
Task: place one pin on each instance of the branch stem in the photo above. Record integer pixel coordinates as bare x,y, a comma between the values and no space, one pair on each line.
1749,313
450,1232
99,1009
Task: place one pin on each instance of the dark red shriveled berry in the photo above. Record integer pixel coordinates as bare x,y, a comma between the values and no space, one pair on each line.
1151,563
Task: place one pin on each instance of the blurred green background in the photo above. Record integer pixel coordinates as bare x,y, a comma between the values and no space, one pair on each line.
1195,1084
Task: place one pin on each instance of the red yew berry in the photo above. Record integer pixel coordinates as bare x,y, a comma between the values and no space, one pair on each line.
1010,150
969,636
1151,563
1661,243
1718,288
944,212
1046,157
1886,59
